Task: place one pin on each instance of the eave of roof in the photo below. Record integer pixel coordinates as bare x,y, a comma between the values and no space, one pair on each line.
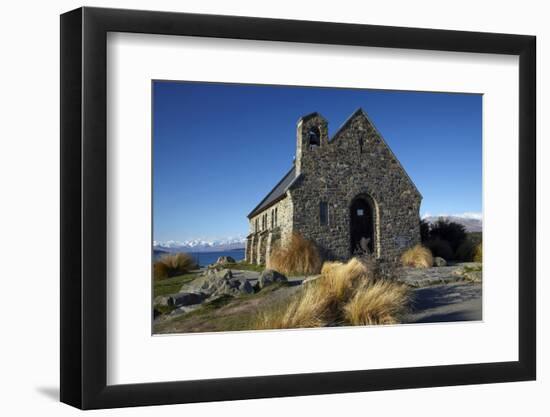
277,193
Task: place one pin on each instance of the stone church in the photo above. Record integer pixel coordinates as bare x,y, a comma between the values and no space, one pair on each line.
348,193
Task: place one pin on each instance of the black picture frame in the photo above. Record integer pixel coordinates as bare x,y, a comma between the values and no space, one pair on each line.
84,207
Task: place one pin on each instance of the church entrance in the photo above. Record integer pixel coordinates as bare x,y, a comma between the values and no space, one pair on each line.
362,225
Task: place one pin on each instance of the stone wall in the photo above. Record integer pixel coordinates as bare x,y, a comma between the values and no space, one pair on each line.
260,241
355,162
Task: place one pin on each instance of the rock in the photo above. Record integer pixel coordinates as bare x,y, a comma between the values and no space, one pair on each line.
474,276
245,287
270,276
225,260
186,298
161,300
438,261
183,310
215,283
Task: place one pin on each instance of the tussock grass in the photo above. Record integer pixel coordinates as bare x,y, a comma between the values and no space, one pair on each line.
306,310
339,279
344,293
381,302
298,256
174,264
417,257
160,271
478,253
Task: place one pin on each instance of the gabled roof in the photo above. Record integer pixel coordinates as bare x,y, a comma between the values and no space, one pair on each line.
277,193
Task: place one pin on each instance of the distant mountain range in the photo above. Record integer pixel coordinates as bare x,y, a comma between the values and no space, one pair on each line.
200,245
472,222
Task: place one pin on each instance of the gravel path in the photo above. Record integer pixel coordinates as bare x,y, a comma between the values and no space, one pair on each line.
445,303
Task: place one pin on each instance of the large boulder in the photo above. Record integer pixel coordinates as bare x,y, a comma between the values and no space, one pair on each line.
439,261
225,260
219,282
270,276
232,286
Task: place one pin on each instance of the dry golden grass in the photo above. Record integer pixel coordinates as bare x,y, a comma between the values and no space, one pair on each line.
160,271
298,257
173,264
380,302
338,279
418,257
305,310
343,294
478,253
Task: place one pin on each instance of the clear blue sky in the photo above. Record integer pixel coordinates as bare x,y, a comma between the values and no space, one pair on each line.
220,148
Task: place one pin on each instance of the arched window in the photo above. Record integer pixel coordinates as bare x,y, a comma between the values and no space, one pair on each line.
314,137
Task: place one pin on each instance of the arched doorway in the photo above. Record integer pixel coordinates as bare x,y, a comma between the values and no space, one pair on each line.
362,225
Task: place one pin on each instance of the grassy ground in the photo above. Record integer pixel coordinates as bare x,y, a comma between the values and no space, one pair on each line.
226,313
473,268
172,285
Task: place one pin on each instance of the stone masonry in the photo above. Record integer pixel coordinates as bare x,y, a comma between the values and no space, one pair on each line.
348,193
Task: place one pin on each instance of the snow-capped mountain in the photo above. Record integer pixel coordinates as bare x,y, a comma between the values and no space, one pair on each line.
202,245
473,222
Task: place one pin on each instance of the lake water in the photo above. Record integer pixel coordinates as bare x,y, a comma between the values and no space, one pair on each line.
207,258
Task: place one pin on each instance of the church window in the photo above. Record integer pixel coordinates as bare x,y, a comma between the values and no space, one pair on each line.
323,213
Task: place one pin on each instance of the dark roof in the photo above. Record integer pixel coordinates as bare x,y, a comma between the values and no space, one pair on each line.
277,193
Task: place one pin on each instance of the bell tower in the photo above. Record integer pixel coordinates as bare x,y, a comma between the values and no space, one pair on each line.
311,134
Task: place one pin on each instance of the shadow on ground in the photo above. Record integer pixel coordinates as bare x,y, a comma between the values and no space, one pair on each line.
446,303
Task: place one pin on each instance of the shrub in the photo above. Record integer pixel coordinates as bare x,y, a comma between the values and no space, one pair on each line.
298,257
478,253
465,251
344,293
174,264
418,257
381,302
424,231
452,232
441,248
